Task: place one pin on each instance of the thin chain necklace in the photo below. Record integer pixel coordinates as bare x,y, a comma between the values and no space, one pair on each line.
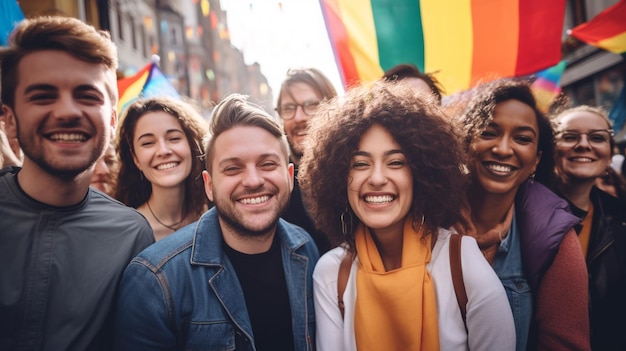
173,226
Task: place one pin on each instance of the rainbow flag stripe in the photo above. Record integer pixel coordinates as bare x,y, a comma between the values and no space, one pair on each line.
148,82
463,41
607,30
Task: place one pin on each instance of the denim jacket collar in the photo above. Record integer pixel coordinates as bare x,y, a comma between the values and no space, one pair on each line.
208,232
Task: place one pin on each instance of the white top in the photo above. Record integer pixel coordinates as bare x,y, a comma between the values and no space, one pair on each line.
489,318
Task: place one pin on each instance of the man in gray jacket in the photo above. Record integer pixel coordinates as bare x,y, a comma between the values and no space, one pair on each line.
63,246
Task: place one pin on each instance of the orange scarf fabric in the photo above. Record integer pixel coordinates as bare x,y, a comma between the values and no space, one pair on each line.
395,310
489,242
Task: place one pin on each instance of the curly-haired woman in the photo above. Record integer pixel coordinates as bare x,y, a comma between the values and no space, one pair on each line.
524,230
161,161
381,170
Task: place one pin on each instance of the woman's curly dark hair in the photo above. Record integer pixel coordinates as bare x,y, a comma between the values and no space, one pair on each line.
417,124
134,191
480,110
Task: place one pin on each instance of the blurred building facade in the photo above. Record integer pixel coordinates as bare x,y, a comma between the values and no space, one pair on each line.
189,37
593,76
192,40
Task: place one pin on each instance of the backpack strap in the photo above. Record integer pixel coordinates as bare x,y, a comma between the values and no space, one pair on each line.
342,278
457,274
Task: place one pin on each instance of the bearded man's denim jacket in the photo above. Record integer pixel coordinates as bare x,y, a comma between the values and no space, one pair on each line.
182,293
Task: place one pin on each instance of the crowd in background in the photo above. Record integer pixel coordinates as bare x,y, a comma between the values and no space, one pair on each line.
379,182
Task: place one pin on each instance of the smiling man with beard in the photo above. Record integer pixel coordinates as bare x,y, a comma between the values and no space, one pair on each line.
240,277
63,246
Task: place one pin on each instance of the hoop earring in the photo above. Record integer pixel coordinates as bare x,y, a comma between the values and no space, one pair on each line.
414,224
532,178
346,228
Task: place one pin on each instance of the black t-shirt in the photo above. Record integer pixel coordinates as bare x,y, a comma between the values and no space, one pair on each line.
262,279
296,213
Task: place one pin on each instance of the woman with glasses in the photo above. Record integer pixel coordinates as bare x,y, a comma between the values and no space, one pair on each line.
584,146
524,230
300,95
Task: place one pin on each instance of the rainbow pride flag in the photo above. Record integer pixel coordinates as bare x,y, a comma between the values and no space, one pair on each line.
148,82
607,30
547,85
463,41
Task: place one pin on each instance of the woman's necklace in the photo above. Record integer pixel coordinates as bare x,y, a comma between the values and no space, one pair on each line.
173,226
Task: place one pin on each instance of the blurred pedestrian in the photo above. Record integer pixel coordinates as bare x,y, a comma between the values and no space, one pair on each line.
524,230
10,152
301,93
381,171
584,145
161,163
240,278
63,246
105,172
612,183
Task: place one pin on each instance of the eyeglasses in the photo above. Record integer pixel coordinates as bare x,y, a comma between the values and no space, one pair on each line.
596,137
288,111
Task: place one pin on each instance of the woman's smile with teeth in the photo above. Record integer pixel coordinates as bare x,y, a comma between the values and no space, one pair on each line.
378,199
254,200
581,159
499,168
167,165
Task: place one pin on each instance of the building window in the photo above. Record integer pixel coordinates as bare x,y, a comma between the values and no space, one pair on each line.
582,92
575,13
173,36
144,44
133,34
600,89
120,26
90,10
154,49
610,83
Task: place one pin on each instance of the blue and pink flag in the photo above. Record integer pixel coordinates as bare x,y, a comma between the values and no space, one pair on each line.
547,85
148,82
10,15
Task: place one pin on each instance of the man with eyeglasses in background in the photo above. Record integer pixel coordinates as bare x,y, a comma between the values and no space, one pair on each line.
301,92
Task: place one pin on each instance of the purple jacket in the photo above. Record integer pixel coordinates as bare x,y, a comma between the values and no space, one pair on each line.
543,219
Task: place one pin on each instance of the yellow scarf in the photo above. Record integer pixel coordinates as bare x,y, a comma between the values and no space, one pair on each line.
395,310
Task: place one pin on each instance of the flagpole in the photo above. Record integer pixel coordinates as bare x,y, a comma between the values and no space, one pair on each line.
160,53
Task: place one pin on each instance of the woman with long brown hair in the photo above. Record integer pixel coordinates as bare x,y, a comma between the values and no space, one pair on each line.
161,161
